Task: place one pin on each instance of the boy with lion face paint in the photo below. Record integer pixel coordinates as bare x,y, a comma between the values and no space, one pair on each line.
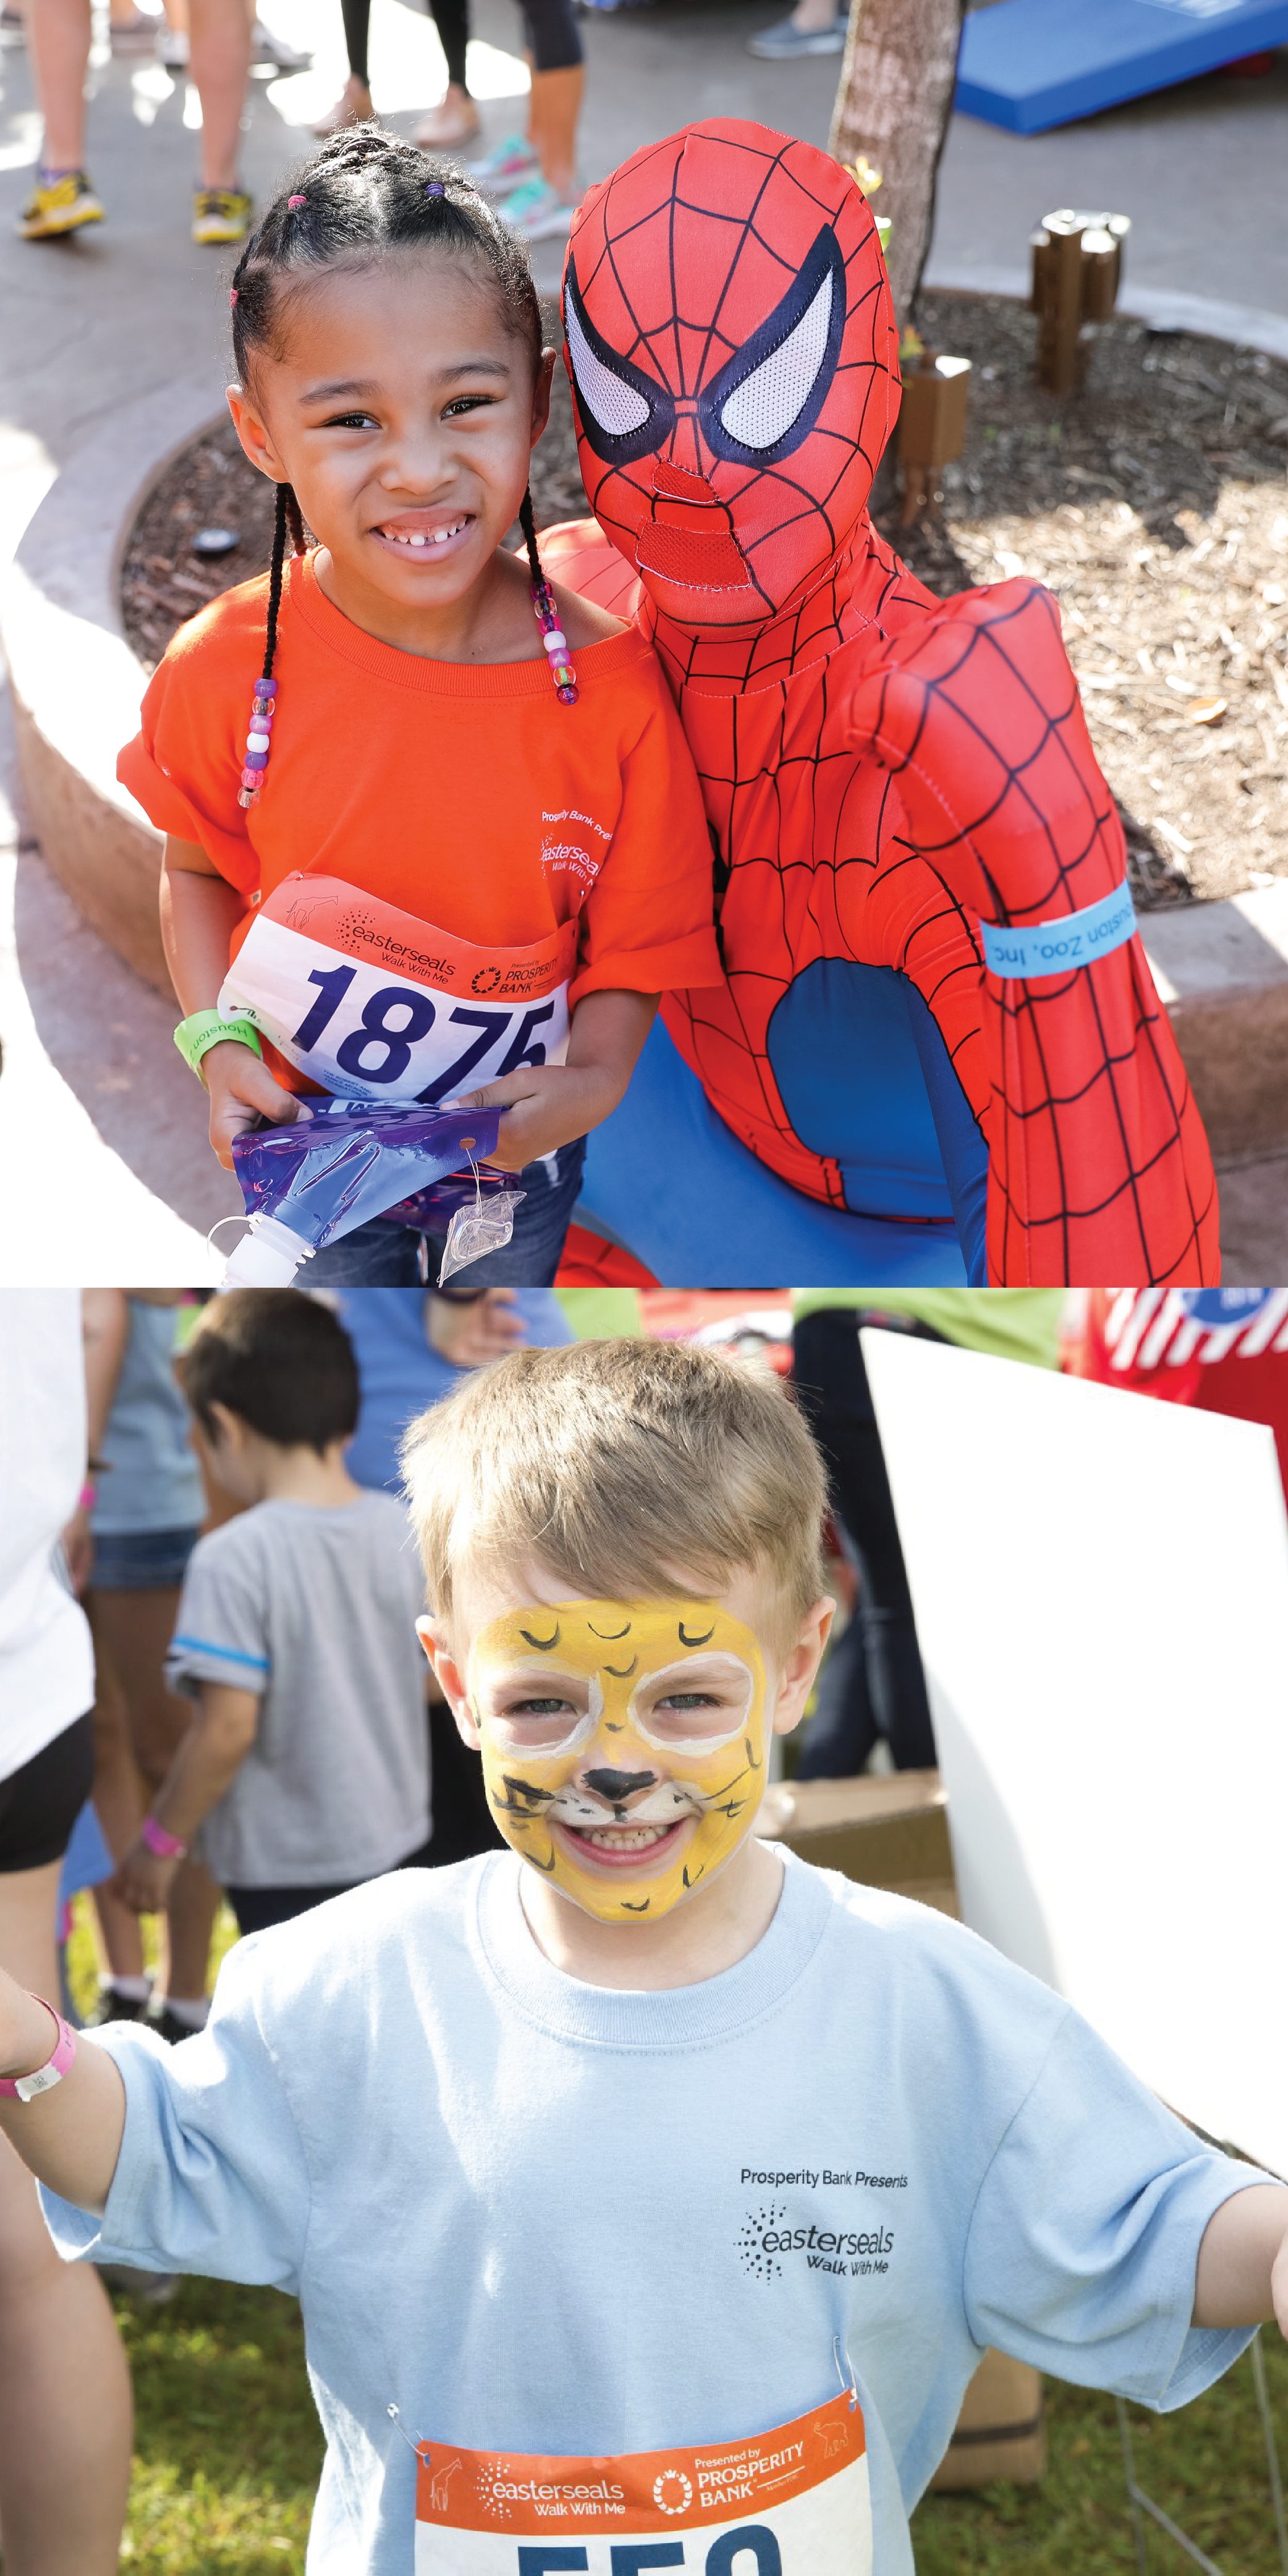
662,2188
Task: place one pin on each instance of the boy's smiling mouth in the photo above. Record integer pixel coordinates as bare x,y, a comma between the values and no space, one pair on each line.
625,1846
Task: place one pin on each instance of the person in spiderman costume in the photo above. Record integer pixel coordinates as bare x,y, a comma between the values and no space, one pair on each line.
936,1008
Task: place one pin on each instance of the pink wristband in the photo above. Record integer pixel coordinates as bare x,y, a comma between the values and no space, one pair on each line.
88,1496
166,1846
25,2087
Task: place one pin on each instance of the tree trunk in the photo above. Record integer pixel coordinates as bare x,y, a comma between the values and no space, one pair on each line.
893,105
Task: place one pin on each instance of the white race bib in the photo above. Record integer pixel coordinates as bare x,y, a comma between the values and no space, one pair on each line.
377,1005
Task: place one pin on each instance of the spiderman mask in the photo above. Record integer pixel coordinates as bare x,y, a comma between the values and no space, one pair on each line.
731,345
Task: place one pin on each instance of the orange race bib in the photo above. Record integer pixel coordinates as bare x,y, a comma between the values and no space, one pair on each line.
792,2502
375,1004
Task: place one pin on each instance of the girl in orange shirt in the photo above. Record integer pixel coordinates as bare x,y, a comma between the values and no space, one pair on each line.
460,849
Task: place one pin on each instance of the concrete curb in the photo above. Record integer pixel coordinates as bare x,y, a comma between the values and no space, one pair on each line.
1221,968
76,682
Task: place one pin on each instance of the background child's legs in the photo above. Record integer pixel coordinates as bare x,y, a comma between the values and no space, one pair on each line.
58,33
832,1387
65,2413
456,118
219,62
132,1631
558,79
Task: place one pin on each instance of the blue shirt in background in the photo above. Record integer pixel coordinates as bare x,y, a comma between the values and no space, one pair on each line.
150,1479
399,1373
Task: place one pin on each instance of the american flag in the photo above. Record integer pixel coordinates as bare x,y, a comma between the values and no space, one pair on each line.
1149,1328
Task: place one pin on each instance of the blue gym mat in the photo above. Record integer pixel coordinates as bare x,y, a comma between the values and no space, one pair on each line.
1030,64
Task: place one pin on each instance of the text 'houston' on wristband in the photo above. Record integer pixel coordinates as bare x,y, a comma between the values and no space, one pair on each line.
203,1030
1056,947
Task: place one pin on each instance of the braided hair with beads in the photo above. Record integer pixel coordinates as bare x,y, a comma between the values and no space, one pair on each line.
364,193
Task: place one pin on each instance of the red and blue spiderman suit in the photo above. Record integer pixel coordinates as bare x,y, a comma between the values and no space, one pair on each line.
905,810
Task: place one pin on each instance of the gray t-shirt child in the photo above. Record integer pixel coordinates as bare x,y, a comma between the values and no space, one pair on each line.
313,1608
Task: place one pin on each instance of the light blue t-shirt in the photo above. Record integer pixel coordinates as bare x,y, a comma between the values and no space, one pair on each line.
541,2216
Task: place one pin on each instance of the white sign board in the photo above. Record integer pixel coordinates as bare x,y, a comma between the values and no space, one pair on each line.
1100,1584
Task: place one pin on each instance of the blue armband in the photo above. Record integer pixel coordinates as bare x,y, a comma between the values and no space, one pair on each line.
1052,947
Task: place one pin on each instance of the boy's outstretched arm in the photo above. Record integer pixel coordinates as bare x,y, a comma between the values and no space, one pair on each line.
70,2137
1242,2277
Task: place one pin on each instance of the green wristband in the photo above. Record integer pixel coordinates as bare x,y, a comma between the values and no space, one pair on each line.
194,1037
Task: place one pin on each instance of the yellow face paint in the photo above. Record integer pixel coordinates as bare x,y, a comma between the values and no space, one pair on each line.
623,1745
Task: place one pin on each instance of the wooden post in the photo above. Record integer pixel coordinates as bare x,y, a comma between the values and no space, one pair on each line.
1077,264
893,106
932,426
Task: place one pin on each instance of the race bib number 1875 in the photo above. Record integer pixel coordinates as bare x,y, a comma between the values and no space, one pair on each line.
792,2502
378,1005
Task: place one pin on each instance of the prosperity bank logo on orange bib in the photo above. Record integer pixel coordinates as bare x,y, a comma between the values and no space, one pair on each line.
376,1004
791,2502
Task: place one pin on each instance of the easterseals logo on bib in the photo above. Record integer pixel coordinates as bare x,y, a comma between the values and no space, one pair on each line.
376,1004
791,2502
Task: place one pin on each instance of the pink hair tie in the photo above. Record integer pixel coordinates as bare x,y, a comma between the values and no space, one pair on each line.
232,294
297,201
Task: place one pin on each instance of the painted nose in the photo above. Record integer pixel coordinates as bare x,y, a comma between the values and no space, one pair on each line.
617,1786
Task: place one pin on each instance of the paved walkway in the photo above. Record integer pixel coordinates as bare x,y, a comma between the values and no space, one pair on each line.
92,1088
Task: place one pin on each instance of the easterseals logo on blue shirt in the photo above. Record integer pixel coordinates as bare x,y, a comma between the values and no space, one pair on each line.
773,2235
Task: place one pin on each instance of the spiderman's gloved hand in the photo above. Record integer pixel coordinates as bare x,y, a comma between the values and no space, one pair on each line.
976,715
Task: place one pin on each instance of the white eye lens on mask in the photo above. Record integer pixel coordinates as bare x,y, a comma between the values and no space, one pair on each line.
763,407
613,405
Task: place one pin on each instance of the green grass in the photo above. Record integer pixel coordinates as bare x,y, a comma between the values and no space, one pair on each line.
228,2454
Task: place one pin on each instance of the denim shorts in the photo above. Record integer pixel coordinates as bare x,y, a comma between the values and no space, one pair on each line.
384,1255
140,1560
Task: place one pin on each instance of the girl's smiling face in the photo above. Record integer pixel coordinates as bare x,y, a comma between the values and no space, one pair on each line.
404,412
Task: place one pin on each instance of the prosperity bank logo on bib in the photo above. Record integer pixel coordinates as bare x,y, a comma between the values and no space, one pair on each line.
791,2502
376,1004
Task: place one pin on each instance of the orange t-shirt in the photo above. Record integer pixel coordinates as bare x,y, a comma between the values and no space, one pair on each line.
464,794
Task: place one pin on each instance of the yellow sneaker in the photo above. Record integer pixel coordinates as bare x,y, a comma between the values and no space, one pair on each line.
59,204
221,214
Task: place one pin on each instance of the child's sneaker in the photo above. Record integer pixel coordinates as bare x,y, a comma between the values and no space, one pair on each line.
265,47
512,162
136,35
786,42
221,214
171,48
535,213
60,202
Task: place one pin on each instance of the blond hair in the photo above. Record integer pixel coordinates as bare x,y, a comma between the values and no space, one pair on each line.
618,1466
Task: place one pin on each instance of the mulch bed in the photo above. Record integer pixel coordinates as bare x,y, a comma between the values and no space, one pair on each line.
1154,503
